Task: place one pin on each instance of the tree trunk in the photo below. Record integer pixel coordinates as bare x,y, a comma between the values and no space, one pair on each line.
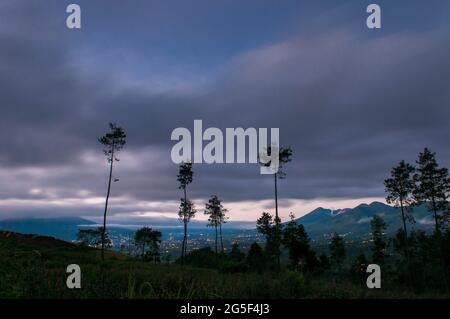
185,225
406,244
435,216
221,237
184,241
277,224
404,228
185,238
183,246
216,238
106,203
440,242
276,199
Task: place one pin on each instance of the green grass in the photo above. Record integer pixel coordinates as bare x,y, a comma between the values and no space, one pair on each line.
36,268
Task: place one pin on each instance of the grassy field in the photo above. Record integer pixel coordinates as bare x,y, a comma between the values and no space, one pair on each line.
35,267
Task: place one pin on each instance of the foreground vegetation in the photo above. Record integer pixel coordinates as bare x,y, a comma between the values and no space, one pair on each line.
35,267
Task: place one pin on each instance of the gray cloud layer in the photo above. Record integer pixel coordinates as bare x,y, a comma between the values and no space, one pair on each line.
350,104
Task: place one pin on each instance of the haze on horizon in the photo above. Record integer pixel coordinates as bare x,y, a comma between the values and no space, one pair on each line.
351,102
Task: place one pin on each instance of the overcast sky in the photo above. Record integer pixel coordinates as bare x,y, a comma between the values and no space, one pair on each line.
351,102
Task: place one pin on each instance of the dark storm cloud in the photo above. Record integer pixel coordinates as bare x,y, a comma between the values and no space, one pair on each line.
349,103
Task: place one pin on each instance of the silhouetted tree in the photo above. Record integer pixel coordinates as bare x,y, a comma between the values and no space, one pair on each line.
89,237
399,188
155,242
216,216
93,237
222,220
187,210
379,243
432,186
284,157
113,142
269,227
296,240
147,237
337,250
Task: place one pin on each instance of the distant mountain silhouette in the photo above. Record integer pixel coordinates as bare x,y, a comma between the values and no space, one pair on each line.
356,221
64,228
319,223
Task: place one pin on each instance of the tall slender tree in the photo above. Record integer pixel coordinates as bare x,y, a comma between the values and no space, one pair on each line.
187,209
432,186
399,188
216,216
186,212
284,156
113,141
222,220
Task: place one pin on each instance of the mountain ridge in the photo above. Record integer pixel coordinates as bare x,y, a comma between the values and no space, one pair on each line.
356,221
